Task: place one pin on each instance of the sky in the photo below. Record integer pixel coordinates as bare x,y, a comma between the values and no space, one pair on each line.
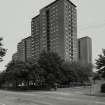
15,23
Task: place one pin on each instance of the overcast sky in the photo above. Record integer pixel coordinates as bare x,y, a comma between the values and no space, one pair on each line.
15,22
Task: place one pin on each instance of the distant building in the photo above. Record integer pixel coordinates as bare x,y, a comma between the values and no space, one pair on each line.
21,50
15,57
35,33
28,48
55,29
85,50
24,49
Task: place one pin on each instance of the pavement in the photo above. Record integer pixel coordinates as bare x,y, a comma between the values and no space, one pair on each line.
63,96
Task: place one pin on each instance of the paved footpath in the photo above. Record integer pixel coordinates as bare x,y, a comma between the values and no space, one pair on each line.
68,96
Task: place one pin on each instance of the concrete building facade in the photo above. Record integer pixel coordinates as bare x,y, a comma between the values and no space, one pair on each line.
15,56
28,45
35,34
85,50
21,50
24,49
57,30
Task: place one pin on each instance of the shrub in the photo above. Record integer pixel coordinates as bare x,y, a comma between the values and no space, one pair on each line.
103,88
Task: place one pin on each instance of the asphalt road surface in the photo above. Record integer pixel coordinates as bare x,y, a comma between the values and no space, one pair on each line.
68,96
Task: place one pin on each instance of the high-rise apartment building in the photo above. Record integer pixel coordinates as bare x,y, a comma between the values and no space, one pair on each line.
15,57
21,50
85,50
24,49
56,26
35,33
28,46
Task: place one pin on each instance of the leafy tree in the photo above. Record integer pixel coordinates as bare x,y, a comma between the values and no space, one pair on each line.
25,73
85,71
70,73
49,70
51,63
2,78
76,72
100,62
35,74
58,71
17,73
2,50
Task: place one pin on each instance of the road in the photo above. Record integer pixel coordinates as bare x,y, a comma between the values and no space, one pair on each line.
68,96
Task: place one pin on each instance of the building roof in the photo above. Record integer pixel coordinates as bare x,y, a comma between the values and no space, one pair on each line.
35,17
86,37
57,1
72,3
51,5
28,37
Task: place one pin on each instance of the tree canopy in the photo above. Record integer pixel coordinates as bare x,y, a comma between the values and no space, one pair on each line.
2,50
49,70
100,62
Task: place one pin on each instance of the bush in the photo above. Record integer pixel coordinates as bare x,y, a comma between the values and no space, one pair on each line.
103,88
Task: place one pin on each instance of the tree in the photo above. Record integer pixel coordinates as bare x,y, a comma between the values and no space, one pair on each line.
35,75
76,72
26,73
69,70
2,78
17,73
51,63
2,50
100,62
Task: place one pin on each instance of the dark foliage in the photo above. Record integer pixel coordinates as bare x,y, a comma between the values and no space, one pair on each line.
100,62
2,50
49,72
103,88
